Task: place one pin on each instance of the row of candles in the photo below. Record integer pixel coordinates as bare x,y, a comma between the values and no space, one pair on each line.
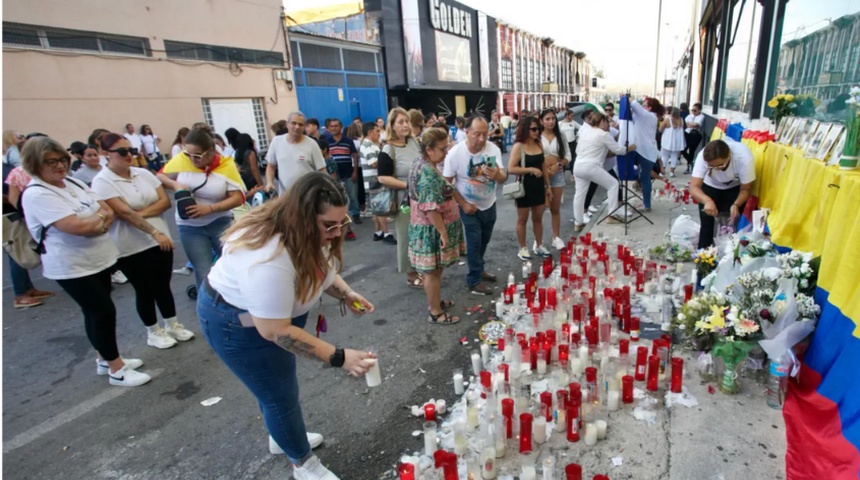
523,355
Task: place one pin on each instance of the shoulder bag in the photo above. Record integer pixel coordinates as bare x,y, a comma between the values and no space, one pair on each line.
515,190
383,200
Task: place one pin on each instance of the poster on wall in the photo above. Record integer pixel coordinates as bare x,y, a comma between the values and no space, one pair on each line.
453,58
484,49
412,42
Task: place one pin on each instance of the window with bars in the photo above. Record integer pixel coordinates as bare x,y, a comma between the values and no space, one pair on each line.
34,36
359,61
507,75
323,79
294,48
217,53
259,121
320,56
362,81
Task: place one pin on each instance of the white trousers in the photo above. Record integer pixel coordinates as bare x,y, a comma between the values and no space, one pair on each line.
670,159
586,173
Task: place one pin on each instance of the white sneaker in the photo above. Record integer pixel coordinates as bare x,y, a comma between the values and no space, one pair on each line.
540,250
586,218
558,243
126,377
160,339
118,277
315,439
592,209
102,368
524,254
179,332
313,469
184,271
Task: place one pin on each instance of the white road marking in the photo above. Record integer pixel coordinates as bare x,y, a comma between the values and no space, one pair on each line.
69,415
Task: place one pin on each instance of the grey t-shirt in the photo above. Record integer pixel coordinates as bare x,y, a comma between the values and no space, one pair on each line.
398,166
86,174
294,160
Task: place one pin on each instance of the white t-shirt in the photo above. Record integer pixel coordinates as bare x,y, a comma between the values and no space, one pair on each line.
643,132
467,170
741,169
139,191
262,281
568,129
149,145
294,160
214,191
134,139
229,151
461,136
593,145
697,119
66,255
176,150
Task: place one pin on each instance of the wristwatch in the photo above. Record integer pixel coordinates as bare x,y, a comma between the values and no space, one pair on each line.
337,358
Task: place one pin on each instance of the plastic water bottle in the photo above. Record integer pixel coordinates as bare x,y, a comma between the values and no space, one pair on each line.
777,382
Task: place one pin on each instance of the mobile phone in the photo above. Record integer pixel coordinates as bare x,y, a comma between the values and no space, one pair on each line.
491,162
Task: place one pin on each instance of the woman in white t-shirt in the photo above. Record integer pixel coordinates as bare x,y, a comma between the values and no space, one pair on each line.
722,178
672,143
71,225
149,143
277,261
179,142
142,237
216,188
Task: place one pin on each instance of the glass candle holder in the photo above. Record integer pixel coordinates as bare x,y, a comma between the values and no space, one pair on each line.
677,374
526,420
627,389
653,373
641,361
573,471
406,471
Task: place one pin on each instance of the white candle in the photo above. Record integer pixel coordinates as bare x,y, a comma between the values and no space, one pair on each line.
472,417
501,446
601,429
612,400
583,355
500,308
373,376
488,459
541,366
441,406
460,443
560,421
509,352
430,438
539,430
458,383
590,434
529,473
476,363
485,353
575,367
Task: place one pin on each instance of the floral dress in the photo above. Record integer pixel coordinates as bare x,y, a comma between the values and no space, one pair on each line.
429,192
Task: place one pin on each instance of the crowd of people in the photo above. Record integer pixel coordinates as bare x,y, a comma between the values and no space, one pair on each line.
96,211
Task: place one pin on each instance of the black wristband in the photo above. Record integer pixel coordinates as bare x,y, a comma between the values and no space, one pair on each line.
337,358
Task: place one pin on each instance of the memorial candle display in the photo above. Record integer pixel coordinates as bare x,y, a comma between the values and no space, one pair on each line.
677,374
641,361
526,433
653,373
627,389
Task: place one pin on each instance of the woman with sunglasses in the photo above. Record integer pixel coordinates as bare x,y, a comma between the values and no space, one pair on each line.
527,161
71,223
557,156
216,187
435,231
722,178
277,262
149,142
142,237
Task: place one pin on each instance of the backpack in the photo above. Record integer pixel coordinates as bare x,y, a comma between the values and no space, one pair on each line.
18,242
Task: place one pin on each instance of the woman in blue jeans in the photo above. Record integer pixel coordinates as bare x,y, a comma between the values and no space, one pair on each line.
276,263
644,135
215,186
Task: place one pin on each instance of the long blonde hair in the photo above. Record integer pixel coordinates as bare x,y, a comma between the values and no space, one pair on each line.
293,217
9,139
390,134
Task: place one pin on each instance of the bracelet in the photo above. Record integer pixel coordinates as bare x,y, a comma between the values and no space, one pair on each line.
104,219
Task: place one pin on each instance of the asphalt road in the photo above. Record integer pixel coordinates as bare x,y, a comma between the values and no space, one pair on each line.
61,421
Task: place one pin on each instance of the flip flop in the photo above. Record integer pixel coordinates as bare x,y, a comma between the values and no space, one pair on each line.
27,302
443,319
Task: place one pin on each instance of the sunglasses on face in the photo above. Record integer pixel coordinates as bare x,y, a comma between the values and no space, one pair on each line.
53,162
196,156
122,152
341,225
534,129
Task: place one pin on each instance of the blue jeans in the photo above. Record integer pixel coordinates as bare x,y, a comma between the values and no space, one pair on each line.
479,229
351,188
21,283
645,167
200,242
266,369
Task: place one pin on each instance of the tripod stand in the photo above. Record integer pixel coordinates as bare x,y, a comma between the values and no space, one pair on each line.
626,172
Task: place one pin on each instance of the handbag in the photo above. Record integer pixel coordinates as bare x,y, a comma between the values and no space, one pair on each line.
516,190
383,201
18,242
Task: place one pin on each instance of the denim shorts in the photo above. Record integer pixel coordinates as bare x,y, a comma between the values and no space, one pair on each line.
557,180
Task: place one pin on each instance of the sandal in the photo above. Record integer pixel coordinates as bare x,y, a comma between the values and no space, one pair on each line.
27,302
446,304
418,282
39,294
443,319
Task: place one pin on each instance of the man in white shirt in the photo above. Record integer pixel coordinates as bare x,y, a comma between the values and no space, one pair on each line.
722,178
292,155
693,133
475,168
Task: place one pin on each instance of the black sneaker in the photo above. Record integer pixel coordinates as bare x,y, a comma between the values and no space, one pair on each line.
389,239
377,237
357,220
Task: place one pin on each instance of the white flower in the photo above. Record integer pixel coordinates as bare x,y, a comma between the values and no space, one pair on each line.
851,101
682,326
772,274
855,91
804,269
795,272
804,283
807,256
681,317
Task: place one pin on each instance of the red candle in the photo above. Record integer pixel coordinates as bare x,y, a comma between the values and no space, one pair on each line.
637,264
623,346
573,471
430,412
627,389
626,290
564,270
551,297
546,399
591,385
641,359
542,296
508,413
504,369
640,282
634,329
620,251
592,284
406,471
533,349
575,392
677,374
600,477
688,293
563,353
550,336
587,238
486,382
577,313
653,372
540,337
500,345
583,264
572,421
526,432
565,332
628,267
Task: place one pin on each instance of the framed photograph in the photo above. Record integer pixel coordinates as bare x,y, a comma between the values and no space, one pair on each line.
836,153
829,141
806,139
782,127
817,140
792,131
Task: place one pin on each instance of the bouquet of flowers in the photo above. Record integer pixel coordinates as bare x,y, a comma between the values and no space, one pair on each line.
698,308
672,252
734,335
802,267
750,247
706,262
851,152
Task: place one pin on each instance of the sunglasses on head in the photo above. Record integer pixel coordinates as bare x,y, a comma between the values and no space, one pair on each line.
122,151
